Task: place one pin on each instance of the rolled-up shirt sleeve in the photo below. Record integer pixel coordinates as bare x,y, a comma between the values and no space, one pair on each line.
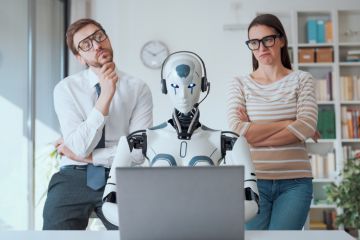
307,109
81,134
103,156
236,100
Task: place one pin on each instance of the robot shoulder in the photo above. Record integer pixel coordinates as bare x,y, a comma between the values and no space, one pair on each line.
205,128
228,140
160,126
138,140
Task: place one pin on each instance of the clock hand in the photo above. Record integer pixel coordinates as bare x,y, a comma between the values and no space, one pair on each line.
153,54
160,51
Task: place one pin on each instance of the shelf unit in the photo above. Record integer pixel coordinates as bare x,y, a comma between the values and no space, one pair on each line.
345,37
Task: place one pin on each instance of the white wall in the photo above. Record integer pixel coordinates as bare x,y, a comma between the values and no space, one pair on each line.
195,25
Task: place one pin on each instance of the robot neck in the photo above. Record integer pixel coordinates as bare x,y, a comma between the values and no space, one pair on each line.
185,124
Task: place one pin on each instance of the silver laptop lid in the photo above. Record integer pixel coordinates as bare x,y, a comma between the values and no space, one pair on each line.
181,203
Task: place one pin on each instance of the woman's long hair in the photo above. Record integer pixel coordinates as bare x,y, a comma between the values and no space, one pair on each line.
273,22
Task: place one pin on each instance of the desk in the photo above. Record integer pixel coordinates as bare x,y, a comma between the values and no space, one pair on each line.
114,235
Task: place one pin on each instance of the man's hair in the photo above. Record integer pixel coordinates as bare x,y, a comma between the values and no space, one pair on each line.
74,28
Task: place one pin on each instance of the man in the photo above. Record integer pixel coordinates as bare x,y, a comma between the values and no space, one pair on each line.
94,107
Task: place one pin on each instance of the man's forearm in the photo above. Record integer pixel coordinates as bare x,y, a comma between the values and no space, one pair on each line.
64,150
103,105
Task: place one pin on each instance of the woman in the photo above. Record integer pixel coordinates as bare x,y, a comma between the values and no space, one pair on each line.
275,109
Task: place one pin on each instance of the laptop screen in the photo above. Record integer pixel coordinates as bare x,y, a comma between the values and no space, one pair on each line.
181,202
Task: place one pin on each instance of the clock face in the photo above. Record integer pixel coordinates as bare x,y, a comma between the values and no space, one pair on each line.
153,53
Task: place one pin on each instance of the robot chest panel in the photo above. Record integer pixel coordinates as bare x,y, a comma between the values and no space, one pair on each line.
183,153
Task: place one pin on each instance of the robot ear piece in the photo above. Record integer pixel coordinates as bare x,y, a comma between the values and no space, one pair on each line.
163,86
204,84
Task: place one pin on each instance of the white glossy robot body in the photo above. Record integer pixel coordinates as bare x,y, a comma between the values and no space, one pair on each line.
203,149
183,141
165,149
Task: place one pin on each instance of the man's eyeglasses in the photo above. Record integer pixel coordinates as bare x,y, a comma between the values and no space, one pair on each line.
87,43
267,41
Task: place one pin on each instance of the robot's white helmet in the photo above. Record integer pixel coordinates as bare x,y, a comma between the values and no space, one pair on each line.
183,73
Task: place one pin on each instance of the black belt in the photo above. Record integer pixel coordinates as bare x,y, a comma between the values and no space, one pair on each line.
78,167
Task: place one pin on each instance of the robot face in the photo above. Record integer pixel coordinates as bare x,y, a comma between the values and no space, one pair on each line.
183,75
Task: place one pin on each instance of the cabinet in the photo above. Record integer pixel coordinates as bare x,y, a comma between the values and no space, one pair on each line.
327,44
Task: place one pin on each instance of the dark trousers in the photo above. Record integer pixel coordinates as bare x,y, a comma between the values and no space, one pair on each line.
70,202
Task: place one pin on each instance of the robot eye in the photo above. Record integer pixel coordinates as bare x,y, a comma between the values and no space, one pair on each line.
175,86
191,86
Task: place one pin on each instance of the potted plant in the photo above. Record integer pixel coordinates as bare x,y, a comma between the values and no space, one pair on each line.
346,195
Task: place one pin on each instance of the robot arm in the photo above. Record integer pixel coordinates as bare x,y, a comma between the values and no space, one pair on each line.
123,158
239,154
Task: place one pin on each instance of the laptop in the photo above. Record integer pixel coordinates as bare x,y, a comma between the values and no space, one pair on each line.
186,203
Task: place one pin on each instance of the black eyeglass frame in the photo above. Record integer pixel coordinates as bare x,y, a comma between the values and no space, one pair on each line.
92,38
274,36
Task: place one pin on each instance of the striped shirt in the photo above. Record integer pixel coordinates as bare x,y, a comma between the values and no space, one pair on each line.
290,98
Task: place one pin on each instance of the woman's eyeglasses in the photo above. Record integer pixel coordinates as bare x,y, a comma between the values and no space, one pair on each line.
267,41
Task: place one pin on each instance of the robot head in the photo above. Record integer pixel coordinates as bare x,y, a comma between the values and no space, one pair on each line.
183,76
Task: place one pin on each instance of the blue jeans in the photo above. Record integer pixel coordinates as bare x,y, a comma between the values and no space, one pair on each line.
284,204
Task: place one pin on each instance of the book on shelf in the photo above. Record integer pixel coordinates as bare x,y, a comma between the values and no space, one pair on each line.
328,31
350,87
353,55
323,166
320,34
350,121
323,88
319,31
329,218
326,122
311,26
323,220
317,225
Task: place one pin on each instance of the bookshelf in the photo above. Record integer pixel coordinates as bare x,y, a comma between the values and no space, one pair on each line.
332,56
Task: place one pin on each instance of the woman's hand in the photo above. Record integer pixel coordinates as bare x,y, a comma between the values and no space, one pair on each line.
243,115
316,136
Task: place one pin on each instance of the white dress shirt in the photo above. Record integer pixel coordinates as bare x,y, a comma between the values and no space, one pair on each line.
81,123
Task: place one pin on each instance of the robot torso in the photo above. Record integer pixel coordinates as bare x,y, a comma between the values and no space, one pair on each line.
165,149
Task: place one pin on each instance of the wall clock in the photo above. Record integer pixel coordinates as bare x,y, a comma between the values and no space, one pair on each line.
153,53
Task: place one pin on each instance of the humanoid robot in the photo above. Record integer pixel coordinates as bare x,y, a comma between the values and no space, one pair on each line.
183,140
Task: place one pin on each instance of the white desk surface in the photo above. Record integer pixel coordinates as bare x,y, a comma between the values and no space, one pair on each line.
114,235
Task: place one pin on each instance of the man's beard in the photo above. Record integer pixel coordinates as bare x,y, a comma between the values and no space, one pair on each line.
99,64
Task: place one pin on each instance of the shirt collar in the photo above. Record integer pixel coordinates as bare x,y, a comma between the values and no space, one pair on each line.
94,79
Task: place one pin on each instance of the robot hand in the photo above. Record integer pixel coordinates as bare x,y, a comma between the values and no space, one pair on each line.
122,158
